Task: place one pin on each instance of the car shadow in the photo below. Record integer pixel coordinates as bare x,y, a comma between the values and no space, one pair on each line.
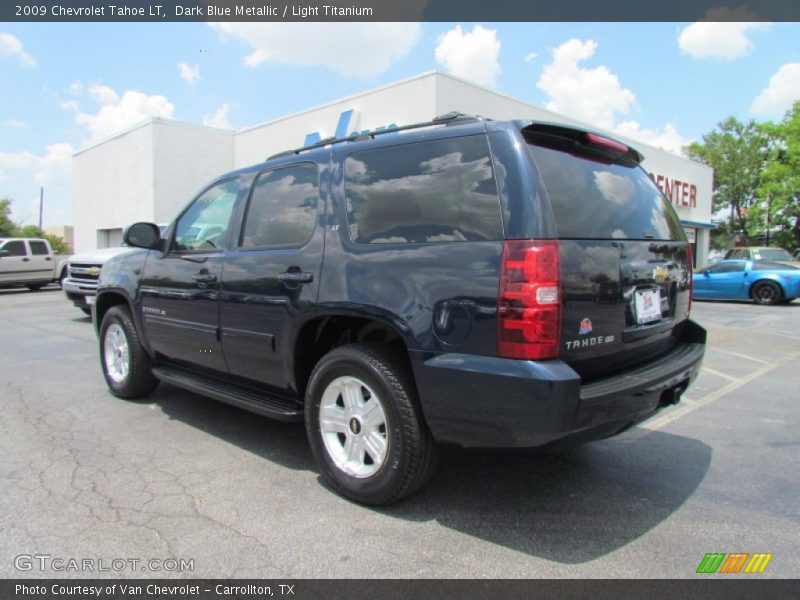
569,507
283,443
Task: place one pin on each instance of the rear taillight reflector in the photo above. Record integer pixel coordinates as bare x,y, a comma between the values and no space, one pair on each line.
529,302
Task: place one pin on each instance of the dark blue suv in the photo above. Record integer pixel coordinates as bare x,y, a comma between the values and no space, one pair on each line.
462,281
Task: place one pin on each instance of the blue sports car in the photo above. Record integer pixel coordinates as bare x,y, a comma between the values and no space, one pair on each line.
763,281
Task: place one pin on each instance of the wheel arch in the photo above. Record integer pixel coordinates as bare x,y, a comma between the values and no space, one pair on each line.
106,300
323,333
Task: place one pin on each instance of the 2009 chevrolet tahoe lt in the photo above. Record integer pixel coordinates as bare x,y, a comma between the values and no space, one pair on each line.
462,281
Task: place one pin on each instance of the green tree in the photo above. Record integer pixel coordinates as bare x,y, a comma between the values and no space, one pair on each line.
57,243
779,187
29,231
737,152
7,227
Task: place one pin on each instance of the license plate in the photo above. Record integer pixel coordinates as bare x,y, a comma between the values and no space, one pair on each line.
89,300
648,305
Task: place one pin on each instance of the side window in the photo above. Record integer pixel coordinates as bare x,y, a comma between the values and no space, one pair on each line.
204,225
283,208
16,248
38,248
437,191
733,267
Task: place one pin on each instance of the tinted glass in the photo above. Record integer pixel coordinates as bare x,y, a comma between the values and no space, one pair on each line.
727,267
438,191
38,248
772,254
771,266
204,225
16,248
595,200
283,208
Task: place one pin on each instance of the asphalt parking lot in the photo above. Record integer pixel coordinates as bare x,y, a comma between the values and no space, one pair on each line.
86,475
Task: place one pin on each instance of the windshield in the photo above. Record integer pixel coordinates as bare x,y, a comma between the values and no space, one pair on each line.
772,254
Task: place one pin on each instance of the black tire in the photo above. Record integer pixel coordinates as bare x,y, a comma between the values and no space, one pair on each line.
411,454
766,292
86,310
35,287
139,380
62,278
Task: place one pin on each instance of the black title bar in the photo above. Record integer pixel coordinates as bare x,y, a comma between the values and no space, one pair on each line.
397,10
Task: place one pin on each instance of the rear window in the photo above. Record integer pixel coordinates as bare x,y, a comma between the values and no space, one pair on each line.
38,248
593,199
437,191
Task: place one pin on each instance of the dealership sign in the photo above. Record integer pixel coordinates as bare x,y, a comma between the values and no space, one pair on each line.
680,193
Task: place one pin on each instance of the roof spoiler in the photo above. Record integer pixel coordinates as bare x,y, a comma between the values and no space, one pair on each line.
582,142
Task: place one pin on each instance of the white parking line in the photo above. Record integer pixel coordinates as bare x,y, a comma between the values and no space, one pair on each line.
655,424
720,374
740,355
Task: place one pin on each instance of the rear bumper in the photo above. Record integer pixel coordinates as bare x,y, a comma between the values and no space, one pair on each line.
480,401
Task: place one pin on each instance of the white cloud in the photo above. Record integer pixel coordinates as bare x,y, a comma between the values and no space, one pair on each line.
51,168
722,36
189,73
11,46
219,118
352,49
76,88
530,57
119,112
472,55
14,124
781,92
667,137
592,95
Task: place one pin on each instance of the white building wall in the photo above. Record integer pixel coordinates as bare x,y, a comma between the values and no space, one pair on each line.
112,185
186,158
146,173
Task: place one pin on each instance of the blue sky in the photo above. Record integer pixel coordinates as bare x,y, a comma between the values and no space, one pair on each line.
68,85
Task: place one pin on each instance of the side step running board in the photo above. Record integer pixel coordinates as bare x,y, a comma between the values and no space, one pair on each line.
269,406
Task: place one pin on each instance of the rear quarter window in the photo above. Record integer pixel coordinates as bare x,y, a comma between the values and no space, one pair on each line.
38,248
592,199
436,191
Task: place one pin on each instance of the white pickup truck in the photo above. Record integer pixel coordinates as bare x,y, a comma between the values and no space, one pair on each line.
30,262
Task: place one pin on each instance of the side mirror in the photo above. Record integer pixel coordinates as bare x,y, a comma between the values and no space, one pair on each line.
3,253
142,235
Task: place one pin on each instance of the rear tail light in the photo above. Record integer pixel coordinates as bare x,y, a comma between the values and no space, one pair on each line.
529,303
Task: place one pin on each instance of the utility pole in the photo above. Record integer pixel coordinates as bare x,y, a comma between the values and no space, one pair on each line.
41,205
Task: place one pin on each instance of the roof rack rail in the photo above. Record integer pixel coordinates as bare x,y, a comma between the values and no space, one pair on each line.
451,118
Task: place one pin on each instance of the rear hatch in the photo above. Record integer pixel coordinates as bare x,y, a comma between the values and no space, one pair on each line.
625,266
